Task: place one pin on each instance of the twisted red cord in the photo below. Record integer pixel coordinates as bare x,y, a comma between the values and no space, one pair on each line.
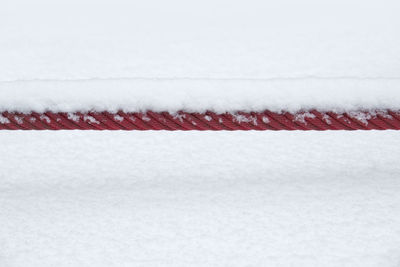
267,120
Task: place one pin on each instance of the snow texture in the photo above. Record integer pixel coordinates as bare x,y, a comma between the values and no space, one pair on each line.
199,199
219,55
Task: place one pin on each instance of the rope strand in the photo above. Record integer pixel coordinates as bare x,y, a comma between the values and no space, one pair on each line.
267,120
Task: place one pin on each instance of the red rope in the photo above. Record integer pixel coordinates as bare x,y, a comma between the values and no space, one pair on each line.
267,120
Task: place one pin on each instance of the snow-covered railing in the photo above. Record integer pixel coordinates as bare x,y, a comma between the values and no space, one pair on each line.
265,65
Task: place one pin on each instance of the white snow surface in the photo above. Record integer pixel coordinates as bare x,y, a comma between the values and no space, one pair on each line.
75,198
220,55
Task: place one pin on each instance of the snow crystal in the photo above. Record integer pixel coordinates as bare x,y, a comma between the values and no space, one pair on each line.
18,119
383,113
118,118
208,118
45,118
301,117
326,118
90,119
179,117
146,118
242,118
265,119
72,116
363,117
4,120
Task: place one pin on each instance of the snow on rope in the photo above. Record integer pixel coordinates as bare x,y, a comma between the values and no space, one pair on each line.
267,120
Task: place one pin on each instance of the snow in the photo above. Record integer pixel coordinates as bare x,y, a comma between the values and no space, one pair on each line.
188,198
199,96
74,198
219,55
